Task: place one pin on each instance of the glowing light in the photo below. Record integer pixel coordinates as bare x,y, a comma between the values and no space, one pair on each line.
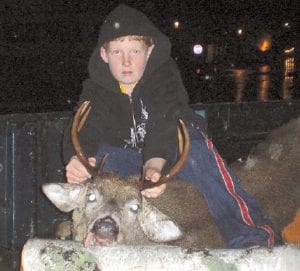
288,80
176,24
290,50
286,24
289,65
264,85
240,31
265,43
197,49
240,77
264,69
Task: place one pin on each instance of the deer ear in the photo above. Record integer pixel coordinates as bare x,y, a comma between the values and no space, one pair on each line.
66,197
157,226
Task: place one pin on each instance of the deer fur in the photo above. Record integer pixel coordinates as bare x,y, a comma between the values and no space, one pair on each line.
271,173
179,216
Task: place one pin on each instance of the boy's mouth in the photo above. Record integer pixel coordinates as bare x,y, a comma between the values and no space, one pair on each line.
127,72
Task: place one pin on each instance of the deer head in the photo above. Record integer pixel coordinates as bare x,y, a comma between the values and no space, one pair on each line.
110,208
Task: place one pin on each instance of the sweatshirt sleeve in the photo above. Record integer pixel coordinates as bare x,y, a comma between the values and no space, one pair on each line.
169,103
91,133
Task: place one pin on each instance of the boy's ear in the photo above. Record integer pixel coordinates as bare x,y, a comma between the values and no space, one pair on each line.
150,51
103,54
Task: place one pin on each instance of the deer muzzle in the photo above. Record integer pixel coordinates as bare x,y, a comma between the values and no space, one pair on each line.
104,231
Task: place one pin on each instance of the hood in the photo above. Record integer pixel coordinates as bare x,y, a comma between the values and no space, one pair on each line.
123,21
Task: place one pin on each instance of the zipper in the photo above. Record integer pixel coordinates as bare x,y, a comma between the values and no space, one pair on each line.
132,113
133,134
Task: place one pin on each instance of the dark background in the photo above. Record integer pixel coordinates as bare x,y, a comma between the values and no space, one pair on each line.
45,46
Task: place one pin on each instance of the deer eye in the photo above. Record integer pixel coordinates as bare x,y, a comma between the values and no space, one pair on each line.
91,197
134,208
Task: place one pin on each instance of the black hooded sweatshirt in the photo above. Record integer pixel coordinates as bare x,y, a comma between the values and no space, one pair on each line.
148,119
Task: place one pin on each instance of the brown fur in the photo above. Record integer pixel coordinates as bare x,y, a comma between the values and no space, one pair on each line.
181,202
272,174
185,205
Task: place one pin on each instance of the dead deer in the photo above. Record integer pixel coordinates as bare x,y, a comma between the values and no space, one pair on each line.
109,209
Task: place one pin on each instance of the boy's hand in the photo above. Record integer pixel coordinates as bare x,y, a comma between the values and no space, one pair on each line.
152,173
76,171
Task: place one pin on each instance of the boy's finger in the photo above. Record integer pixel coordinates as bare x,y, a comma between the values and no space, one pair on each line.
152,175
154,192
79,172
74,179
76,173
77,176
92,161
155,177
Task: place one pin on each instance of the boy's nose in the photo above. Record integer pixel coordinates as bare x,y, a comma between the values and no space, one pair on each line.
126,60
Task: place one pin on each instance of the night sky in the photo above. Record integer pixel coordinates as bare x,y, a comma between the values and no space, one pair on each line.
220,12
45,44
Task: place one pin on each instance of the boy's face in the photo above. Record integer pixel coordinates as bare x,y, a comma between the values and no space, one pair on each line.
127,59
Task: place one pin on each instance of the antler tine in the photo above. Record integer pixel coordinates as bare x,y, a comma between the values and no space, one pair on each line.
180,162
180,141
185,152
84,112
142,179
78,121
101,163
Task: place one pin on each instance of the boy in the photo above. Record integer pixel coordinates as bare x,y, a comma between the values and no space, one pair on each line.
137,96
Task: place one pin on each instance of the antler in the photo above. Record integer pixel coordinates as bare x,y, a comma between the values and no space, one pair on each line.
78,122
183,151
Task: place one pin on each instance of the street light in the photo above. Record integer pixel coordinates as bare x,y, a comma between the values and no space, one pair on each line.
198,49
240,31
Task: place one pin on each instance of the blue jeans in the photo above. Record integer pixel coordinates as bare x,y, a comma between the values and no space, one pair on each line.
236,213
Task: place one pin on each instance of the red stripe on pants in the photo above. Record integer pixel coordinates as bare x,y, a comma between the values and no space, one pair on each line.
231,190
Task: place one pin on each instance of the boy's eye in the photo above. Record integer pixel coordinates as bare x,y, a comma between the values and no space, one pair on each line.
135,51
115,52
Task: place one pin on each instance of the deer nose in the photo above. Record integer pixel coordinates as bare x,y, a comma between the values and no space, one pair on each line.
106,228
